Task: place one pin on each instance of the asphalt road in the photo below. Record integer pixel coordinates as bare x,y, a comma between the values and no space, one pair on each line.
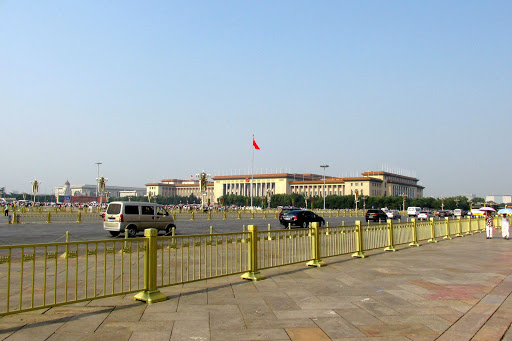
31,233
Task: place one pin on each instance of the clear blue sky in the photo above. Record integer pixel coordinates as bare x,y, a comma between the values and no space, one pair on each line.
167,89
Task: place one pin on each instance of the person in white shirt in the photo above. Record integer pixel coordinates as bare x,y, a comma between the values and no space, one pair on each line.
505,225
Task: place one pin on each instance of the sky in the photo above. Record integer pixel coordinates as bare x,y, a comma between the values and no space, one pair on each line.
167,89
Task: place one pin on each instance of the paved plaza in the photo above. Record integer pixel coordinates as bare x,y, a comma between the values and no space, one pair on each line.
452,290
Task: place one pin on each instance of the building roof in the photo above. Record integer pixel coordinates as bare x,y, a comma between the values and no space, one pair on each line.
388,174
307,176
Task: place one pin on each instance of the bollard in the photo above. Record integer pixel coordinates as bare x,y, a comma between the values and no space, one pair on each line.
209,215
414,234
315,248
459,227
432,232
174,216
15,217
469,224
79,220
239,215
276,215
127,246
224,215
359,233
391,239
150,294
447,222
252,256
264,215
48,218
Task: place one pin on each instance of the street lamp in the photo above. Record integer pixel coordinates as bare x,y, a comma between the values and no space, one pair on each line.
98,163
403,197
324,167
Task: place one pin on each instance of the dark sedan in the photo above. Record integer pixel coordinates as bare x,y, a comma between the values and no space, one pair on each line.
301,218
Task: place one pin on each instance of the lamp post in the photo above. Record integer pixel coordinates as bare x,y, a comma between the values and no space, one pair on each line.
269,196
442,203
35,189
457,202
324,167
356,193
203,181
97,187
403,197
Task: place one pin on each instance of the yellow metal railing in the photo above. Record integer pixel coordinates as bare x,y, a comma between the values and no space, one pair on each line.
44,275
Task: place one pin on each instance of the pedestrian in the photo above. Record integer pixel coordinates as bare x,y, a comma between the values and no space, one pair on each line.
489,224
505,225
6,210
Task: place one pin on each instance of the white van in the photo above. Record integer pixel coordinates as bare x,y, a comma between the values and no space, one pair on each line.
136,216
413,211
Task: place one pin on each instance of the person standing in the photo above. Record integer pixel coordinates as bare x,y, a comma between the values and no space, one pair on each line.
505,225
6,210
489,224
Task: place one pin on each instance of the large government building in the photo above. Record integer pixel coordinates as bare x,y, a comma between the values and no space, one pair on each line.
368,184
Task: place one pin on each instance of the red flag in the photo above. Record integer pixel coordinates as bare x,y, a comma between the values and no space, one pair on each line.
254,144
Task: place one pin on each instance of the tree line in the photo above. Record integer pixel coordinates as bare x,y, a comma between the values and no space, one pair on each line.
348,202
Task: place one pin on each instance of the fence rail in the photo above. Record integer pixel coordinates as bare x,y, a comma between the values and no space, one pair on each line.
44,275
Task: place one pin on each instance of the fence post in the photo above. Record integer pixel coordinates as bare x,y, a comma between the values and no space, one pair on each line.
79,220
269,236
48,218
447,222
315,247
459,227
359,233
150,294
239,215
391,240
14,217
414,234
432,232
469,226
253,274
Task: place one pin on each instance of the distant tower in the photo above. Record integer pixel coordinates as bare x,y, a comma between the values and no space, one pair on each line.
67,189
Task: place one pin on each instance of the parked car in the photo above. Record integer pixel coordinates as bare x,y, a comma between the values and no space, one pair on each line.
424,215
301,218
460,213
393,214
376,215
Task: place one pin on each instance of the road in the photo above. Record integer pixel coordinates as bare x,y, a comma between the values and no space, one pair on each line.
31,233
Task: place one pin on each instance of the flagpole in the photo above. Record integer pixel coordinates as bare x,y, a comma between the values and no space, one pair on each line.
252,169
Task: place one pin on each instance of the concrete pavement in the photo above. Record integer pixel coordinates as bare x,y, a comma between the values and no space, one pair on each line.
452,290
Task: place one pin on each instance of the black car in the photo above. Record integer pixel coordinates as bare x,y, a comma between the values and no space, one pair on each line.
376,215
300,218
285,210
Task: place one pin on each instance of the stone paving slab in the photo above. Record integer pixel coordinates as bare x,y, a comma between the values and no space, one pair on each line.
453,290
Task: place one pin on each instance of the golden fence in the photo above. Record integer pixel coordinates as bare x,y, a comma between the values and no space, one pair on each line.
44,275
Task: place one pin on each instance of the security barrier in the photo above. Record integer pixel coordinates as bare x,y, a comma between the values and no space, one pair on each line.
45,275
